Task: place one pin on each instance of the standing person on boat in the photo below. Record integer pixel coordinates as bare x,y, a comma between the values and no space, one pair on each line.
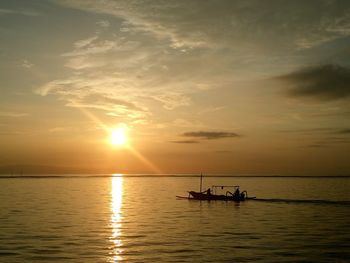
236,193
208,191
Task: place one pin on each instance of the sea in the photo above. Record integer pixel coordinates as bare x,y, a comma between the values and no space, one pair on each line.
138,218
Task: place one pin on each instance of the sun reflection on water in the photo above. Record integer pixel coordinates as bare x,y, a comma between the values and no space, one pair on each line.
116,218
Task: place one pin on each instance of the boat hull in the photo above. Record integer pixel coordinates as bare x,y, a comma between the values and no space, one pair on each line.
204,196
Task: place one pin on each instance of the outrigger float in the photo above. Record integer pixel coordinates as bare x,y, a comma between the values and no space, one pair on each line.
211,193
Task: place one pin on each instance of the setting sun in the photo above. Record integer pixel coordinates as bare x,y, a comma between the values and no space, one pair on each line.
118,136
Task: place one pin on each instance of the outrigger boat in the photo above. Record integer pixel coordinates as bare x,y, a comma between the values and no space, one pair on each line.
211,193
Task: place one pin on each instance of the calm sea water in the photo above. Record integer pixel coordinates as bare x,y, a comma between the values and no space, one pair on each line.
135,219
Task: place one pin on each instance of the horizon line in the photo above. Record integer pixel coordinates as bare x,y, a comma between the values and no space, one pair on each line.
145,175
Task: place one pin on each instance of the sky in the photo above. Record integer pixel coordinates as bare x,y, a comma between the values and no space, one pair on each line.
219,87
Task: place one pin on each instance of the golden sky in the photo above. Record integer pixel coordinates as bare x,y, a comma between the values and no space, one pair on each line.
233,87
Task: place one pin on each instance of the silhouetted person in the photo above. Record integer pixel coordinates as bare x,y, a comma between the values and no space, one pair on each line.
236,194
208,191
242,196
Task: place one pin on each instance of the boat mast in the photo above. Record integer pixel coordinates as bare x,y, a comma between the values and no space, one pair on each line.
200,187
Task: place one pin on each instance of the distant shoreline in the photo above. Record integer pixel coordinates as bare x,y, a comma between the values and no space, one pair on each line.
4,176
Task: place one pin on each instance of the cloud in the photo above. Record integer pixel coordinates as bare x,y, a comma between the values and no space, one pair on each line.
185,141
344,131
248,23
88,46
160,55
317,145
103,23
337,140
110,100
83,63
122,75
85,42
18,12
182,46
96,92
12,133
27,64
310,130
331,141
172,100
210,135
324,130
325,82
59,129
211,109
13,114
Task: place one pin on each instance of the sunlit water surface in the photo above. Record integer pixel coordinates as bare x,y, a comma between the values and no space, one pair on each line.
135,219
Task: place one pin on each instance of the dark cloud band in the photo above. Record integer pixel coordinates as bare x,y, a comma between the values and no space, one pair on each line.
209,135
185,141
327,82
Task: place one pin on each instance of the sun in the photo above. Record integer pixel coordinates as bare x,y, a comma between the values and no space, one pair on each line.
118,136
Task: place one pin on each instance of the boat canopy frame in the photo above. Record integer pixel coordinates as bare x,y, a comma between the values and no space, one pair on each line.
214,187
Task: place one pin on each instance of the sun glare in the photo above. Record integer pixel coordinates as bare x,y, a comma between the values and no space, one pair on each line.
118,136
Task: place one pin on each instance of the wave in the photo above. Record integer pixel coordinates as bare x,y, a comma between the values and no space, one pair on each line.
303,201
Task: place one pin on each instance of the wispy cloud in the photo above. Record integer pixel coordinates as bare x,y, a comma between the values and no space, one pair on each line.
185,141
316,145
27,64
172,100
211,109
192,24
211,135
323,130
344,131
326,82
103,23
88,46
109,99
85,42
159,55
330,141
13,114
84,93
12,133
59,129
310,130
120,76
18,12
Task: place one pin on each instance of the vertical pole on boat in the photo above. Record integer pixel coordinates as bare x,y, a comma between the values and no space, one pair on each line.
200,187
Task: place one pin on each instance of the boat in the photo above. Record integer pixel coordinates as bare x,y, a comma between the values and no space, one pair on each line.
211,193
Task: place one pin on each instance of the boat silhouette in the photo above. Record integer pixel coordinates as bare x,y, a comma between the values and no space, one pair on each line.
211,193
